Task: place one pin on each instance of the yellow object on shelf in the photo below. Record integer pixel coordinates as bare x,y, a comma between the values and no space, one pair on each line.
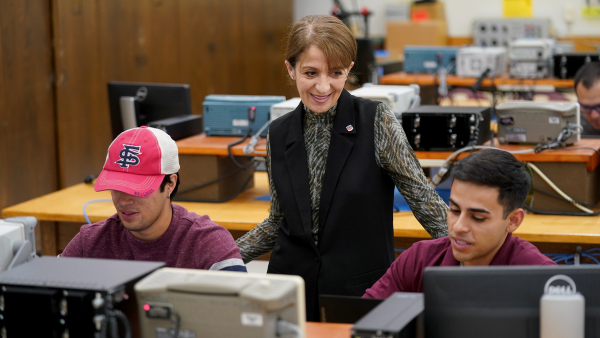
591,12
517,8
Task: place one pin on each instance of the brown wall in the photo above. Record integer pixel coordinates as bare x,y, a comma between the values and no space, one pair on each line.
27,133
215,46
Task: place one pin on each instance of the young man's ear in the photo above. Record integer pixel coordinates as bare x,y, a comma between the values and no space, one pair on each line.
172,183
515,218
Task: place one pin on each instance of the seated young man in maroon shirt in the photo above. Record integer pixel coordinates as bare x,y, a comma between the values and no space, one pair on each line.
141,172
488,189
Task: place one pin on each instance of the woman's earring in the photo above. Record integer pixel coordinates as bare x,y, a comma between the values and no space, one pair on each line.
292,77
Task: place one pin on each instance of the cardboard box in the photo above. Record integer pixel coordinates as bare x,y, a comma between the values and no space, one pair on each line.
400,34
435,9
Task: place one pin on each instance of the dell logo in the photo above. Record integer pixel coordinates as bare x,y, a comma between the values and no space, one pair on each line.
560,285
141,94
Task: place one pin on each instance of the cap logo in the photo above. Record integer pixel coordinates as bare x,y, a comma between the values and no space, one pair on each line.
129,156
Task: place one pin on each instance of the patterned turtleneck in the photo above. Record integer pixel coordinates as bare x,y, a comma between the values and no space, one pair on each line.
392,153
317,129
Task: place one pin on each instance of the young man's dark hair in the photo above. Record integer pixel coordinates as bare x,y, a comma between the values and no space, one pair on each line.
164,183
587,75
496,168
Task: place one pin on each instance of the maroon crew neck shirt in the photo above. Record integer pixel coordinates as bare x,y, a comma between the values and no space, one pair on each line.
191,241
406,273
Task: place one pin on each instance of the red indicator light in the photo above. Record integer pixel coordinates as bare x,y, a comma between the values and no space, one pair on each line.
146,307
253,108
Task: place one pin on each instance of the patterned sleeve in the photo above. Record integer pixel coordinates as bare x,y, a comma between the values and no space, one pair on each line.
261,239
395,155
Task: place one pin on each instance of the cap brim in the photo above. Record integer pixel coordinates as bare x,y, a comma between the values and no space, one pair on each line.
132,184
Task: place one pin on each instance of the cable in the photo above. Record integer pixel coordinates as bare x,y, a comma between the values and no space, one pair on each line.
249,149
592,254
87,219
120,317
285,327
557,189
235,144
444,168
251,118
587,205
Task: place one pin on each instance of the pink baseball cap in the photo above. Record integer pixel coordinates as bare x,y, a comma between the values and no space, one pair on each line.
137,161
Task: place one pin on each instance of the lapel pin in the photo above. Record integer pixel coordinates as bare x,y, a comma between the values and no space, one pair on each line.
349,128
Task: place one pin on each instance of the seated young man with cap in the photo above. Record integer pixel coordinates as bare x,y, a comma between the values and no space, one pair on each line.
488,189
141,172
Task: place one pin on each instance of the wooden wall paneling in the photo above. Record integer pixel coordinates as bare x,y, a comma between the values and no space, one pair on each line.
211,48
162,40
27,130
265,24
120,37
82,107
140,40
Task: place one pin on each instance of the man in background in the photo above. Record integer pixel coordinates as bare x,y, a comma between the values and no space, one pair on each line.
587,88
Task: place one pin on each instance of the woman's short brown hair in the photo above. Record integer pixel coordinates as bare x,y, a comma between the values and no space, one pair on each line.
328,33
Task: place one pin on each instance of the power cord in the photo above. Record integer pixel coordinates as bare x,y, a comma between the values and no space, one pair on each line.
570,130
444,168
592,254
87,219
249,149
251,118
566,133
557,189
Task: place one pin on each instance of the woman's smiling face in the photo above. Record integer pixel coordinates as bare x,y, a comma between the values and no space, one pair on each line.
319,87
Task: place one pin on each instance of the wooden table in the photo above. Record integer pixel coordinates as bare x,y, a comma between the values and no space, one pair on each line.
327,330
244,212
402,78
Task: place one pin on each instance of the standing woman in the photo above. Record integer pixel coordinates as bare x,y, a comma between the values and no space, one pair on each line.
333,163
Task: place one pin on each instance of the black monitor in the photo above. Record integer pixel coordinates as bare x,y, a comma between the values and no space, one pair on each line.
137,104
500,301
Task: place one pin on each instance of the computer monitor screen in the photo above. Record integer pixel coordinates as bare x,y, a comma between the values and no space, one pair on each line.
501,301
137,104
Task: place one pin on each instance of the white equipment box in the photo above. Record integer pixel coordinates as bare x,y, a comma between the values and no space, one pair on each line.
398,98
535,122
500,32
282,108
473,61
215,304
17,241
531,58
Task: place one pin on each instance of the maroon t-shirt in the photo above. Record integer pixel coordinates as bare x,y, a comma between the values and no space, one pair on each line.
406,273
191,241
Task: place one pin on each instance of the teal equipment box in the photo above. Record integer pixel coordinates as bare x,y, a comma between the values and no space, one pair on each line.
425,59
227,115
